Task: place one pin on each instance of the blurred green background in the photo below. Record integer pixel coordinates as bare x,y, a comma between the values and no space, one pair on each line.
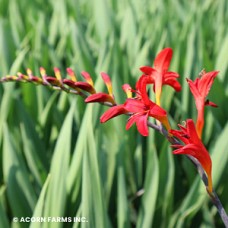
56,159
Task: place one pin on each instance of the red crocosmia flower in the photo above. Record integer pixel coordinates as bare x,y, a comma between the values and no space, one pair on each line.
200,89
140,108
194,147
139,114
103,97
159,74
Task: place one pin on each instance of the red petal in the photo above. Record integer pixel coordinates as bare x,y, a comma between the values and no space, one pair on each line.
131,121
171,74
192,131
162,60
206,82
141,123
193,88
141,88
170,78
99,97
135,106
173,83
146,70
156,111
179,134
189,149
112,112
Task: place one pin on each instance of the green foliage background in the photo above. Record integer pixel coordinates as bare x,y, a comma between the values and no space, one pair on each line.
56,159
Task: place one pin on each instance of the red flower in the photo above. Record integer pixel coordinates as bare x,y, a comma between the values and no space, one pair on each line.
103,97
140,108
194,147
200,89
159,75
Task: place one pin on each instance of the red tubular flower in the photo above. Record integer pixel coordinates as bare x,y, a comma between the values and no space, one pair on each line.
200,89
159,75
103,97
140,109
139,114
194,147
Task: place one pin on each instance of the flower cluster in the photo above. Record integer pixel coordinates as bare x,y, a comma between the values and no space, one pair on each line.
140,107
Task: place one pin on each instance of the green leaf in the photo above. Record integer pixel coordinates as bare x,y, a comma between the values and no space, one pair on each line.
149,198
3,212
16,176
39,208
56,192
